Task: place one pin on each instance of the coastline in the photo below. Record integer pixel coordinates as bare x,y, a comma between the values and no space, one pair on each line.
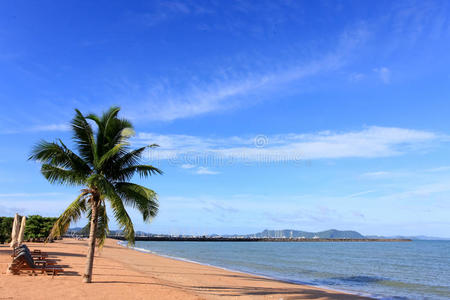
283,280
125,273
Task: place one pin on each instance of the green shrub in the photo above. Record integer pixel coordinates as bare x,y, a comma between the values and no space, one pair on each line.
37,227
5,229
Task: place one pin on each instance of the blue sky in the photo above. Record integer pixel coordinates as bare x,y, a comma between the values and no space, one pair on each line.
271,114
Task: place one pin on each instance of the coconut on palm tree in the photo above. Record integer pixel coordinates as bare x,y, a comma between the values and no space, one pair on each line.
104,166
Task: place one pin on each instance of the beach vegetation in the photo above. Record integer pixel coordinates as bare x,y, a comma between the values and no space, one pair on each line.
37,228
6,224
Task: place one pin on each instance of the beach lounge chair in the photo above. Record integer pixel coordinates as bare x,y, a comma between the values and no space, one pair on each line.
35,257
35,254
25,262
35,251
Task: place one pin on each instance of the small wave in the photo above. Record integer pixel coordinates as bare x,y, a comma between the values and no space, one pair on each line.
359,279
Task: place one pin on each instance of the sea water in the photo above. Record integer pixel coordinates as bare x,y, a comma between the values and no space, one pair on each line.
385,270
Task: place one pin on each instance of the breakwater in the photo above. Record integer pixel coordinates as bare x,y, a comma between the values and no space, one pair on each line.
249,239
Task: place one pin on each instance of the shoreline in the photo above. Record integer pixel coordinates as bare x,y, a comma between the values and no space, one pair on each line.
125,273
263,239
283,280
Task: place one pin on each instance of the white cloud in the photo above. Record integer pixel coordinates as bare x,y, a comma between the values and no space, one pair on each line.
38,128
439,169
223,93
377,174
14,195
384,74
205,171
427,189
421,192
228,88
354,77
166,11
51,127
359,194
296,147
187,166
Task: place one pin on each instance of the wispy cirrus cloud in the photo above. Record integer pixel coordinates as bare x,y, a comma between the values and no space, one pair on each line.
384,74
187,166
199,170
165,11
439,169
358,194
51,127
15,195
38,128
369,142
223,94
377,174
241,85
205,171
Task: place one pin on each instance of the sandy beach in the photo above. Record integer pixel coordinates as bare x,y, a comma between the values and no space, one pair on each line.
121,273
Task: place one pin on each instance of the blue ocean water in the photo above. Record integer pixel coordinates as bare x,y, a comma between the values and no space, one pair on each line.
386,270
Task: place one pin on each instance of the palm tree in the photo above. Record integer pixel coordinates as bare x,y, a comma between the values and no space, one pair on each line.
104,166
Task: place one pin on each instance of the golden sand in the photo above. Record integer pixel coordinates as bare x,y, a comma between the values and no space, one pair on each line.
121,273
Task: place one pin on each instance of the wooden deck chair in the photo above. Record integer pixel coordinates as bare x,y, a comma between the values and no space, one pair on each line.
24,262
35,253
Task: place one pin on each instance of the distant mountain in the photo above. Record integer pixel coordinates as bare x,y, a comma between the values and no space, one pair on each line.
416,237
328,234
74,230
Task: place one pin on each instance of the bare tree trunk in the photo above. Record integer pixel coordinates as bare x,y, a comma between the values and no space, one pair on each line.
87,277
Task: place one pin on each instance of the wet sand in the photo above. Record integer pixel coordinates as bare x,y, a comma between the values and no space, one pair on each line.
121,273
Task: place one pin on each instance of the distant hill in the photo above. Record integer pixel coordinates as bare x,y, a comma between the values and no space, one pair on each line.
416,237
328,234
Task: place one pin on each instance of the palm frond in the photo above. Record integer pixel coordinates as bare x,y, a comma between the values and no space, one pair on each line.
58,156
77,163
102,226
142,170
113,127
72,213
100,130
84,138
109,155
96,119
120,213
102,124
139,197
62,176
130,158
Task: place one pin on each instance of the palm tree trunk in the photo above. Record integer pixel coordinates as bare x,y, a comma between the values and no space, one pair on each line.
87,277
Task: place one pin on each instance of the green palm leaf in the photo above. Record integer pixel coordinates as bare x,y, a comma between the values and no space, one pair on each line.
84,138
142,198
72,214
62,176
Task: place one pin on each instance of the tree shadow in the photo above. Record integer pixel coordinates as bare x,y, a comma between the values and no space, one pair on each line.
66,254
290,293
120,282
7,251
69,273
